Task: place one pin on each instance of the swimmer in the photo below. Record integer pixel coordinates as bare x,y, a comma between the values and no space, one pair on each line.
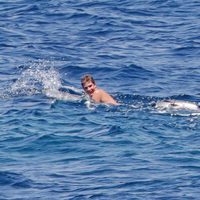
96,94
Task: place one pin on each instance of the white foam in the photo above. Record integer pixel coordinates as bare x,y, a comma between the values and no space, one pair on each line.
177,105
41,77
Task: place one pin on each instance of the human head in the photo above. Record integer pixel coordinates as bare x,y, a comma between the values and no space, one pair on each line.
87,78
88,84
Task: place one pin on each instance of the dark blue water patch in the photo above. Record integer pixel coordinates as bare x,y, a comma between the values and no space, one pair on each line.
78,72
3,45
115,130
19,10
29,8
166,4
186,97
187,51
135,101
104,56
94,4
79,16
134,71
14,179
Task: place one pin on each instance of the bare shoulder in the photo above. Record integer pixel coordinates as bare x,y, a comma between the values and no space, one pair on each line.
101,91
106,98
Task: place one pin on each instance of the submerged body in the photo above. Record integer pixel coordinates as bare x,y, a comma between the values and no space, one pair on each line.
177,105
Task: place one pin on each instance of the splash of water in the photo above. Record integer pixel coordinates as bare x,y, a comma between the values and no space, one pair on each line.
37,77
41,78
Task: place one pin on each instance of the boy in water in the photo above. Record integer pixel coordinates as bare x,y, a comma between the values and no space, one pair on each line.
96,94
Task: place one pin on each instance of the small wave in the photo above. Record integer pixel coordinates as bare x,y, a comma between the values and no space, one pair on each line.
135,71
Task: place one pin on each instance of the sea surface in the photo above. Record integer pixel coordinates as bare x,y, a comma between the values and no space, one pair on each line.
57,147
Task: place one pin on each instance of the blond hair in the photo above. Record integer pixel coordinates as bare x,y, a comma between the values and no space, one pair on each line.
87,78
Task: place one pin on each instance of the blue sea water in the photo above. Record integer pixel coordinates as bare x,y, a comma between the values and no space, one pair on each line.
140,51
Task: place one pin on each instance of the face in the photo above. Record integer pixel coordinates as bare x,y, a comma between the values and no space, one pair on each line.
89,88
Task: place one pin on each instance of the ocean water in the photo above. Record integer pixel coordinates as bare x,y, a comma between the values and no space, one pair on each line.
55,146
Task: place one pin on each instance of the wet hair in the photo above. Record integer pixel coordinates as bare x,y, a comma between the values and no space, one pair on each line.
87,78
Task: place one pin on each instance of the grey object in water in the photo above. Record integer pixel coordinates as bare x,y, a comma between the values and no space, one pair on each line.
177,105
